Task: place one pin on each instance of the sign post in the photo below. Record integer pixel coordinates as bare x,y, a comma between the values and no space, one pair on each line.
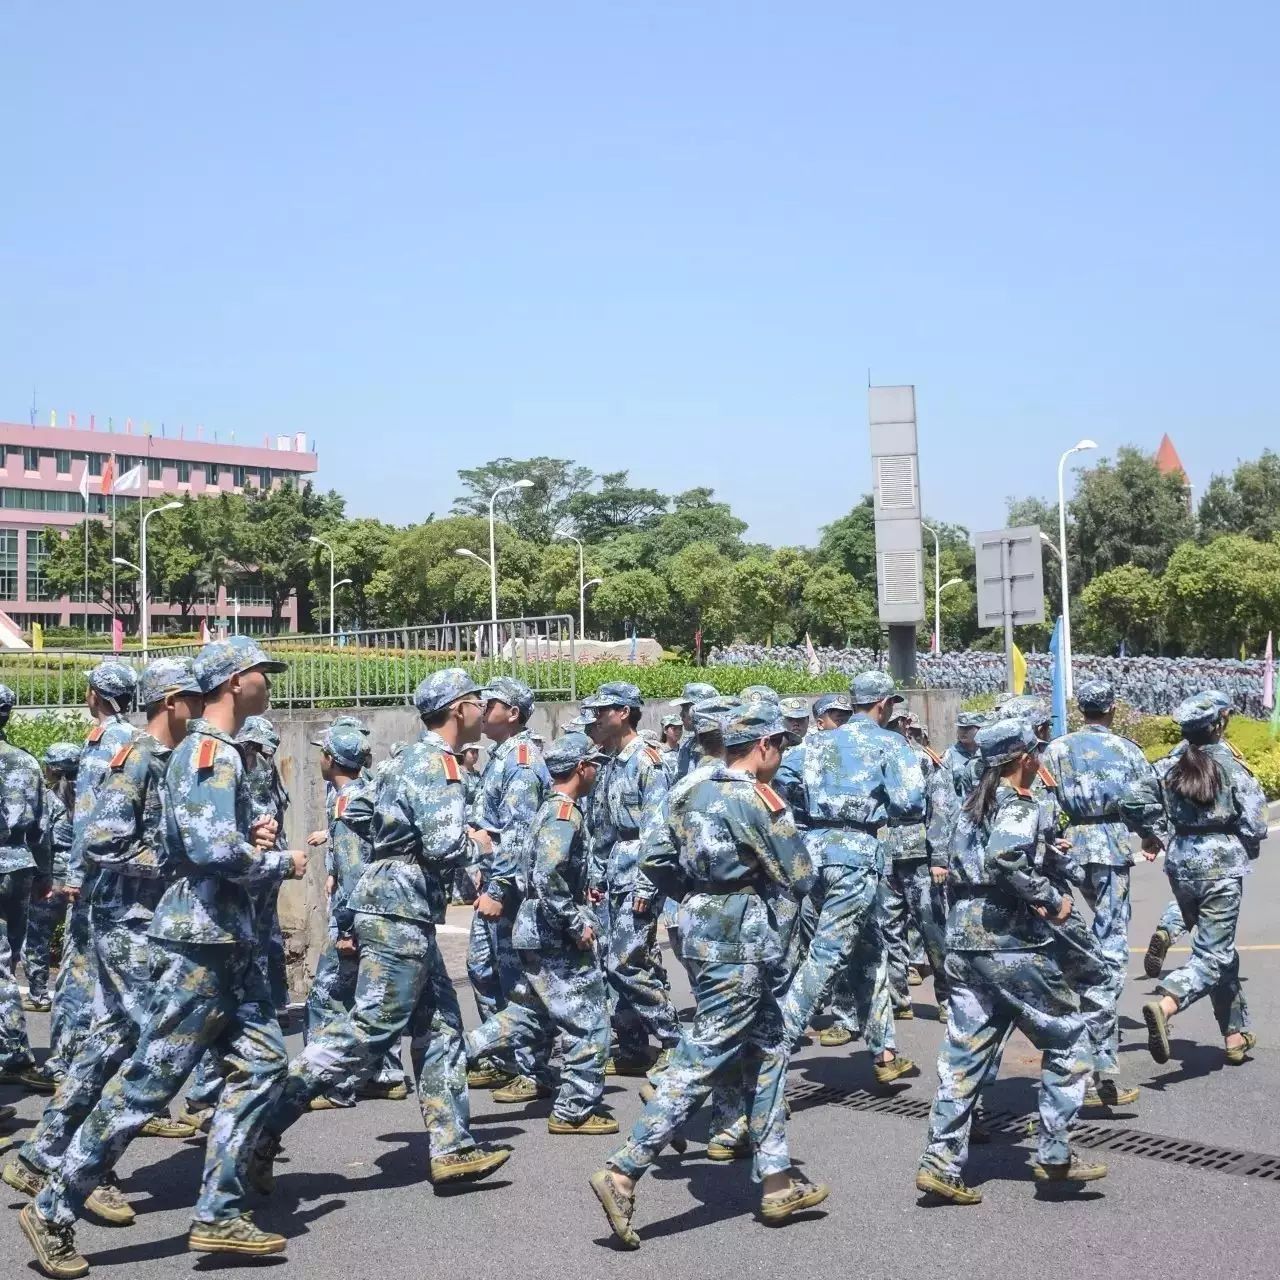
1010,576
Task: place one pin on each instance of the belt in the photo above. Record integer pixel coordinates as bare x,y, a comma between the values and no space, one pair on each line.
1216,829
1104,820
729,891
835,824
394,857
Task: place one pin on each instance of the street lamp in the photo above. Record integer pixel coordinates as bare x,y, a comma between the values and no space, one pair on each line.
320,542
937,589
493,561
146,594
582,586
1050,544
1081,447
952,582
341,582
127,564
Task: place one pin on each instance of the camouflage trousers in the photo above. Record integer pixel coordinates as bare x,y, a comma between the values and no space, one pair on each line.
1106,890
43,919
332,996
495,972
847,937
1171,920
73,991
736,1042
201,997
642,1001
909,896
124,968
563,991
401,984
1211,909
991,993
15,898
866,1011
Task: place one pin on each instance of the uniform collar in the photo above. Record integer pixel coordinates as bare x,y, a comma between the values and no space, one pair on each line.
430,738
201,726
1095,728
501,749
636,744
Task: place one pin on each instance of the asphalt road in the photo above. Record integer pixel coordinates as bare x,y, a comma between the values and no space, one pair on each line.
354,1202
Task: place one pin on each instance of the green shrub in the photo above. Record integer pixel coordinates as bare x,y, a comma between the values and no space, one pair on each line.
35,733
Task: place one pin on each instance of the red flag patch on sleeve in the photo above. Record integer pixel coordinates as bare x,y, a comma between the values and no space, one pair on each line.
94,734
772,800
933,755
1046,777
522,754
653,753
564,811
341,807
451,770
207,753
117,760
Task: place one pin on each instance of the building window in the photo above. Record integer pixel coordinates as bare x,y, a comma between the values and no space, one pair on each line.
96,462
184,473
52,500
64,462
155,469
247,590
31,459
8,564
37,588
197,472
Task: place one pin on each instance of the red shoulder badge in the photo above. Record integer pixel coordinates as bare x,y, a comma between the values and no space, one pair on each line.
932,754
94,734
522,754
207,753
1046,777
655,756
772,800
117,760
341,807
564,811
451,770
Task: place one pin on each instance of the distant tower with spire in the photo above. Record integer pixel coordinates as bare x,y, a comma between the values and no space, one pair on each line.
1168,463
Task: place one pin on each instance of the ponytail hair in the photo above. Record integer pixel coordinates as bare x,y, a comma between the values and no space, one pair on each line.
1196,776
983,797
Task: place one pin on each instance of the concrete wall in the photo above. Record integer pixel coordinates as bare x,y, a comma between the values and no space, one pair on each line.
302,903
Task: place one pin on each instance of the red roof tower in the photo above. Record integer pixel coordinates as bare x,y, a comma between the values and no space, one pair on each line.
1167,460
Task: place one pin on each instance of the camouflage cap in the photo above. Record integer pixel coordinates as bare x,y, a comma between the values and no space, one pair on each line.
570,750
695,691
8,699
1199,713
164,676
617,693
901,712
343,744
970,720
750,722
1006,740
115,681
870,687
1219,697
759,693
794,708
512,692
351,722
63,756
651,737
829,702
1028,707
672,722
441,688
580,722
586,716
1095,695
710,715
258,731
220,660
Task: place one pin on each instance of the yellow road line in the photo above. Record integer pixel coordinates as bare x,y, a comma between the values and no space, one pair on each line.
1257,946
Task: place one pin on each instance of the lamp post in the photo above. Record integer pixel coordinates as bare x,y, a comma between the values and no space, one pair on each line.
937,588
341,582
146,594
1062,555
938,616
493,562
582,586
320,542
125,564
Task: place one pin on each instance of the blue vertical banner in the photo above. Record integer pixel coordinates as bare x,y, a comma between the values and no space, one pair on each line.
1059,682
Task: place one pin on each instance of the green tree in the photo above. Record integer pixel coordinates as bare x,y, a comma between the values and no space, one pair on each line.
701,579
769,590
65,566
837,610
184,560
850,543
697,517
1124,604
1224,596
534,513
358,550
1247,502
637,597
618,508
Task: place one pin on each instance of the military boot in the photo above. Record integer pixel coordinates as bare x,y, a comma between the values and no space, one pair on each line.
521,1089
947,1185
487,1076
1238,1053
468,1166
388,1090
163,1127
1157,949
596,1123
720,1150
897,1068
834,1037
199,1118
1106,1093
1157,1021
54,1246
799,1196
620,1066
37,1004
618,1207
914,977
105,1202
1074,1171
234,1235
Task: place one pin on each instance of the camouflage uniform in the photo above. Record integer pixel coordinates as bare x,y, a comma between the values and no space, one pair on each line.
1094,768
269,799
74,991
1003,972
44,916
563,989
419,837
512,788
206,989
24,856
745,865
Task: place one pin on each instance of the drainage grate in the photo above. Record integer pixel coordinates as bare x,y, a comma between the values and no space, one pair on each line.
1130,1142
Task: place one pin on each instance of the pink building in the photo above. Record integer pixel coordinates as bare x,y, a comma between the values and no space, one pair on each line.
41,469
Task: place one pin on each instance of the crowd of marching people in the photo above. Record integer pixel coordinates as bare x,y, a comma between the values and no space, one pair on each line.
1152,685
810,864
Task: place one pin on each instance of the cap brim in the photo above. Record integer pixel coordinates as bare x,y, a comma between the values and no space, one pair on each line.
271,666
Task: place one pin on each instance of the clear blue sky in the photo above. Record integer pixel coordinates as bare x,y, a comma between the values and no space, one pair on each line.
667,237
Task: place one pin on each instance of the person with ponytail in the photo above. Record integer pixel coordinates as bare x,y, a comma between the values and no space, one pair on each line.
1004,971
1215,818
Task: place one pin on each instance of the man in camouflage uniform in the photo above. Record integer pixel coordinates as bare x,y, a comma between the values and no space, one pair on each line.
556,938
795,718
958,759
111,690
745,865
512,788
1094,769
25,865
123,847
856,778
207,988
687,753
464,879
1003,972
61,760
419,837
634,785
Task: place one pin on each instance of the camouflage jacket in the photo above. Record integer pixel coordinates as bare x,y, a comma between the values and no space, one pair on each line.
994,883
1094,768
419,834
347,853
598,832
102,743
23,835
267,795
964,768
57,830
857,779
788,782
743,862
688,756
126,831
207,850
906,838
1211,842
512,788
555,913
633,787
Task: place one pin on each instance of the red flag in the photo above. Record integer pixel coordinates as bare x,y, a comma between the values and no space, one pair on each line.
108,473
117,635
